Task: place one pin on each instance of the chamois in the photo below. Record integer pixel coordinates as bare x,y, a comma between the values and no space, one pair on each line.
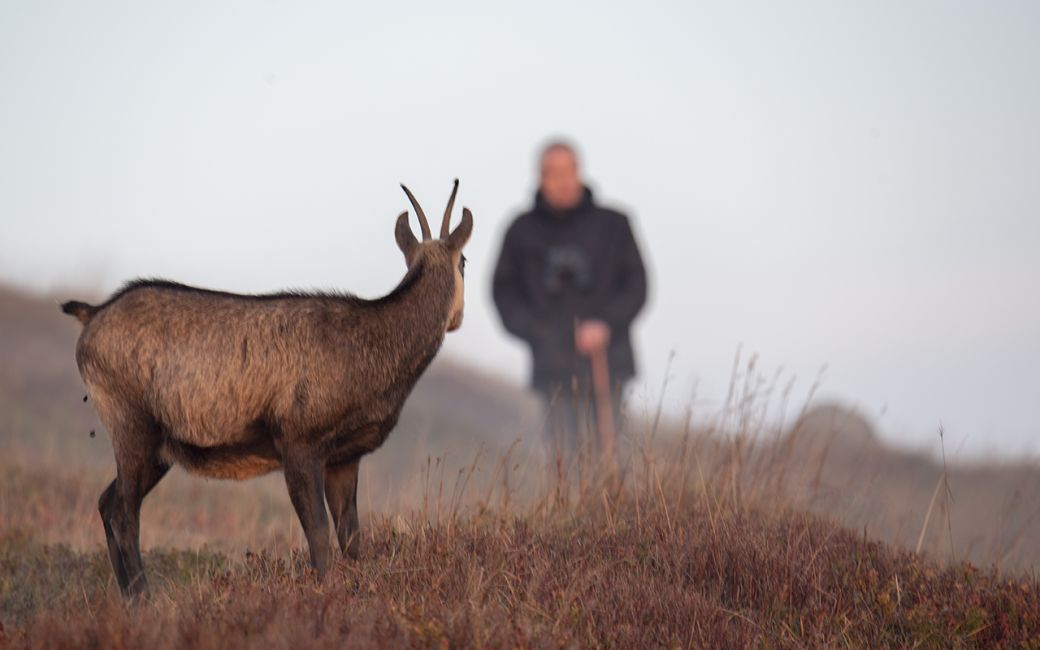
234,386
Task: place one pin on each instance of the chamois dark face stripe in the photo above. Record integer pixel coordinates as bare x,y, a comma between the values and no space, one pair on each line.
462,265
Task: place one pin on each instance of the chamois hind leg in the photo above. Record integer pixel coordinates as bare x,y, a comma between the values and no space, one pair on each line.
120,508
341,493
106,504
135,441
305,477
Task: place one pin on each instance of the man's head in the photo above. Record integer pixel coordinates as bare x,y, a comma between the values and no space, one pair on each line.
561,185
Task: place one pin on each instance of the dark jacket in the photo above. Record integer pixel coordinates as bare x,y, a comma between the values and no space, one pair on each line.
555,267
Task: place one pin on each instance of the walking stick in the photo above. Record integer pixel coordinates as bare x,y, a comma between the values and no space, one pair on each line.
604,407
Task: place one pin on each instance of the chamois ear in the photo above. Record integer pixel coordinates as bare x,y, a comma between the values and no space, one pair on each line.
406,240
458,237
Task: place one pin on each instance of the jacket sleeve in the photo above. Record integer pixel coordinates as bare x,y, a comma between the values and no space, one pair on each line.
511,299
628,288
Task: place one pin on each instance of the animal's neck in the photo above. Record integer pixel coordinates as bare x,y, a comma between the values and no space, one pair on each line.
415,316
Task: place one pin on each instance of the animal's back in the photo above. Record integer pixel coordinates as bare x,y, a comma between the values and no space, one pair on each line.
210,368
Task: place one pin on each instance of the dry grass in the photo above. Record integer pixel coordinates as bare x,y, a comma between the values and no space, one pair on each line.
675,557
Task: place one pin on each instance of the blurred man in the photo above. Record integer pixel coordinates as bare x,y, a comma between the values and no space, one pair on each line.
569,282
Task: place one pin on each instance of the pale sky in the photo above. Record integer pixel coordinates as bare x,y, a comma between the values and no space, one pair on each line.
856,185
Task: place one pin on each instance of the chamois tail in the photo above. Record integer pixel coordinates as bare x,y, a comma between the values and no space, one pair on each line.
81,310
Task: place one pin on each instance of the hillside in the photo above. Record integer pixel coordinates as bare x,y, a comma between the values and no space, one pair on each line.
457,418
717,537
648,571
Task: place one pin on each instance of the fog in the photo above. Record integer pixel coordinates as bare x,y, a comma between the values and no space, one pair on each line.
844,186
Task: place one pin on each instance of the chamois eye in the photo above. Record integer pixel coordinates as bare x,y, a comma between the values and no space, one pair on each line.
462,265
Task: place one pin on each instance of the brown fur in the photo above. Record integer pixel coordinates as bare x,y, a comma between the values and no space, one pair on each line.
214,370
233,386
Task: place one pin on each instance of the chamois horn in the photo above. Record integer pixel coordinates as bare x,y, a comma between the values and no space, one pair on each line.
423,223
446,224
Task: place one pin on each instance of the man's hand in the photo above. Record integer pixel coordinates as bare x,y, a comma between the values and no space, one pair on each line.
590,336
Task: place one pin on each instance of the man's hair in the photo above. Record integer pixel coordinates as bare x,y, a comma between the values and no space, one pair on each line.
557,144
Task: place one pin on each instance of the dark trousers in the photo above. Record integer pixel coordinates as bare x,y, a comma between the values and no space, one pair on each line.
571,430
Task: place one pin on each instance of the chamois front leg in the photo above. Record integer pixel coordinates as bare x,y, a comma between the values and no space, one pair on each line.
341,492
304,477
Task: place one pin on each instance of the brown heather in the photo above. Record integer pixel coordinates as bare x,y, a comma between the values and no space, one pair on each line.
651,564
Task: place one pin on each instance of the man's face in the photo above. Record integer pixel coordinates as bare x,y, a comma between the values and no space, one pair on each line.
561,184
